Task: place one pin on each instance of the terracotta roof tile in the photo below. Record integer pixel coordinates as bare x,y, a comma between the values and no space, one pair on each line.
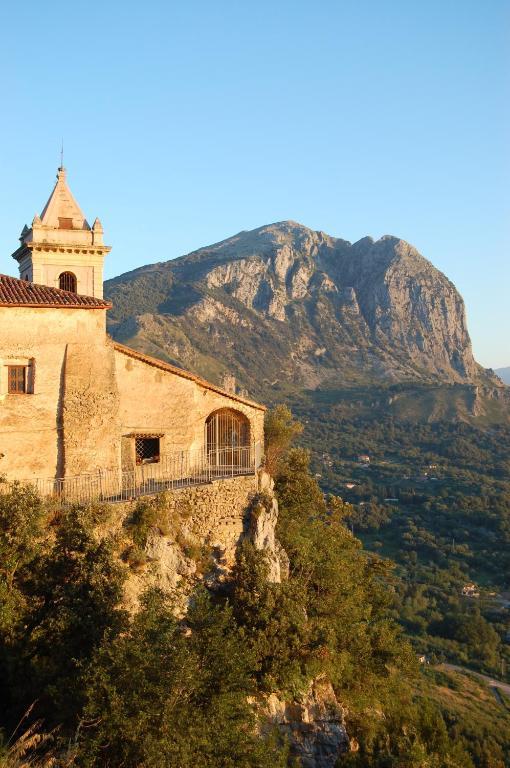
21,293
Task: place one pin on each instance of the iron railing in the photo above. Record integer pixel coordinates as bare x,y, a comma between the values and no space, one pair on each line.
175,470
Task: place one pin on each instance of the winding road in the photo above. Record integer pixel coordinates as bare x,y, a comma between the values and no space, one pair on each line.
490,681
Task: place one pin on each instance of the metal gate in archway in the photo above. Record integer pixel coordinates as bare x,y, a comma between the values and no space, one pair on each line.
228,440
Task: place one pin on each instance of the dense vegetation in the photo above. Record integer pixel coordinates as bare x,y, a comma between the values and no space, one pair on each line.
435,498
158,690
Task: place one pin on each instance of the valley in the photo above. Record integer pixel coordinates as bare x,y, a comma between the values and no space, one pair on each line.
368,345
434,497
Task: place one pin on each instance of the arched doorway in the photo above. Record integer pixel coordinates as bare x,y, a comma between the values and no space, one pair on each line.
228,439
67,282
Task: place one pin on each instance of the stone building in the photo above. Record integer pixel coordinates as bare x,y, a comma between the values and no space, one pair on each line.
72,401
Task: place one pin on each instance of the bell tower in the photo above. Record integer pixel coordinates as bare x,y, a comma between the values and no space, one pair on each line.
61,249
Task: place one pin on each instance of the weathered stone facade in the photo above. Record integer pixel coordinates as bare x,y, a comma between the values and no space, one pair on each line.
155,397
87,398
67,421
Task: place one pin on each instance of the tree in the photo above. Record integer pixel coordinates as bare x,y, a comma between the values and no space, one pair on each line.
21,536
280,430
273,622
72,592
169,695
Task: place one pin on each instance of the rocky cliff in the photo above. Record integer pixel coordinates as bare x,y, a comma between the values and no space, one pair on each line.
313,725
193,538
194,533
288,304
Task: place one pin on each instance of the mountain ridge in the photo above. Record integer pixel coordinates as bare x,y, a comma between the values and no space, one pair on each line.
286,303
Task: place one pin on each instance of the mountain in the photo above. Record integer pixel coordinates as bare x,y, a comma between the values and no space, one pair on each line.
504,374
286,306
368,344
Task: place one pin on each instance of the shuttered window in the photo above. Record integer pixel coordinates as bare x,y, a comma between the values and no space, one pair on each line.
17,379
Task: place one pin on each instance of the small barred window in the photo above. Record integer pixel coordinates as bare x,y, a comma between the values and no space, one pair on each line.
147,450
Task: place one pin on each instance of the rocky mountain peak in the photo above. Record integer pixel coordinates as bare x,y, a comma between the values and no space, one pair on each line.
284,302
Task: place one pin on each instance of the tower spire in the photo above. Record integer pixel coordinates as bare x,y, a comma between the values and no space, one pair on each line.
61,241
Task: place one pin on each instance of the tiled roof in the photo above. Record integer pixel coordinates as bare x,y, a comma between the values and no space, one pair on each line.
157,363
21,293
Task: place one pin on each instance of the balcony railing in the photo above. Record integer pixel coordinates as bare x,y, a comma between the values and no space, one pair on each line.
179,469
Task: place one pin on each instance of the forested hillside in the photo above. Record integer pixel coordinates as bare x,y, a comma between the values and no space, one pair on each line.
435,498
86,684
368,344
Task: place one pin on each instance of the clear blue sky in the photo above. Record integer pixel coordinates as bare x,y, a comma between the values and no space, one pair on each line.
185,122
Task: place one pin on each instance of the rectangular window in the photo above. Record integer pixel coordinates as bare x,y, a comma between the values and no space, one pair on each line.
65,223
17,379
147,450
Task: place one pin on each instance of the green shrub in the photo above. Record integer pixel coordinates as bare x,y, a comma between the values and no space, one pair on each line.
149,514
165,696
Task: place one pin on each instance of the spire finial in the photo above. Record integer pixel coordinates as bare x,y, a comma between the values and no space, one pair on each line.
62,155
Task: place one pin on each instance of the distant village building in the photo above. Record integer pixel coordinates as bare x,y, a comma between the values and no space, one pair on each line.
364,458
73,401
470,590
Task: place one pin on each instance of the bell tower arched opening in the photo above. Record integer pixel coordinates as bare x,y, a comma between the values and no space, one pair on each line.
67,282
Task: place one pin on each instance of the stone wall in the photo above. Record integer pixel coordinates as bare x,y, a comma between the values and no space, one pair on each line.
216,514
207,521
91,433
155,401
32,425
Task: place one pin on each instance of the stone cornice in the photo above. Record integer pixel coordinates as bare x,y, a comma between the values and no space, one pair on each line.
26,248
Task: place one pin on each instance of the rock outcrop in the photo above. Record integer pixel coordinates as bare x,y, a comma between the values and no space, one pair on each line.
286,304
313,725
198,534
262,527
